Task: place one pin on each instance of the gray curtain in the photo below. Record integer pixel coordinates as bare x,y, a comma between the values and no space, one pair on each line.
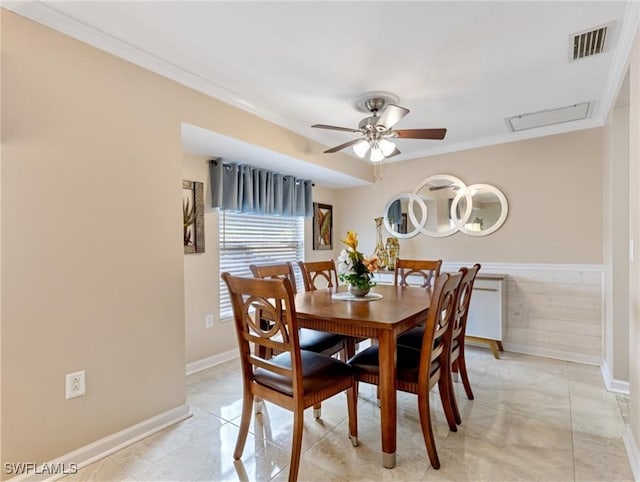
248,189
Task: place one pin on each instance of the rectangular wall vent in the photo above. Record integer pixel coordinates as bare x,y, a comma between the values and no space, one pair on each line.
586,44
548,117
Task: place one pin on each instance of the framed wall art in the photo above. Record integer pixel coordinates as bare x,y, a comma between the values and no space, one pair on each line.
193,216
322,226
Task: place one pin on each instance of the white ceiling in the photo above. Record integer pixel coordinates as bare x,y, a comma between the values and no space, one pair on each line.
461,65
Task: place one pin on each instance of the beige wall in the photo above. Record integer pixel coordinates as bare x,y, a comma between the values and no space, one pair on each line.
326,196
634,233
550,245
202,278
201,273
616,244
553,186
92,257
93,271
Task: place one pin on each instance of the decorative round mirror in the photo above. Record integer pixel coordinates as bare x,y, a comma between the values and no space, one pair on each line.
488,211
404,215
437,193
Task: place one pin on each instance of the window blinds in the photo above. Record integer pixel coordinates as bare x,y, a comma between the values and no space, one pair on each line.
251,239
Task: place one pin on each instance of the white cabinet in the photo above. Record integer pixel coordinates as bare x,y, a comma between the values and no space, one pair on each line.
487,320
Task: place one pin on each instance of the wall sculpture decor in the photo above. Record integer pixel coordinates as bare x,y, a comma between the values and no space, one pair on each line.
322,226
193,216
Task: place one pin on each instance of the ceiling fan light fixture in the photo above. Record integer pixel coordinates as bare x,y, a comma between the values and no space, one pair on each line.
386,146
376,153
360,148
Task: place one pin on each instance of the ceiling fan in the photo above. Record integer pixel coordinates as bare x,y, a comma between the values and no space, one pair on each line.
375,132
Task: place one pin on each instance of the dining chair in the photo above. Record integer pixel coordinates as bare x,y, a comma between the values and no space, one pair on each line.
323,274
317,341
295,379
318,274
428,270
407,269
413,338
418,371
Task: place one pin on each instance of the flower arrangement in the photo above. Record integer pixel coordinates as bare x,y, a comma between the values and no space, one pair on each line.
353,267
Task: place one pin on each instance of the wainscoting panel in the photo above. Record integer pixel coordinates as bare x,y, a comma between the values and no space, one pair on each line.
552,310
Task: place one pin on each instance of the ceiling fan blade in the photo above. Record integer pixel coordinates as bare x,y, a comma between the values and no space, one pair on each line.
391,116
436,134
395,152
342,146
336,128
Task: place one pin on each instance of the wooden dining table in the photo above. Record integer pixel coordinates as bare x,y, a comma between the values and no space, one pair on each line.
399,309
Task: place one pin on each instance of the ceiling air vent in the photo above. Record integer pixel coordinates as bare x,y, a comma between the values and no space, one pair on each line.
586,44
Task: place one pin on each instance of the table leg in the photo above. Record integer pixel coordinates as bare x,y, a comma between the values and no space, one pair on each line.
387,354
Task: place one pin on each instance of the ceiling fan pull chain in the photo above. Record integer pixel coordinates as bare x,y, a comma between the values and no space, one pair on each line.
377,171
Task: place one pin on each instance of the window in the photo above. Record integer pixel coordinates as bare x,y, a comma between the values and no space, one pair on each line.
251,239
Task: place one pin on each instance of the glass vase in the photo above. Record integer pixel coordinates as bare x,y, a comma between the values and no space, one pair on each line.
359,291
393,251
380,252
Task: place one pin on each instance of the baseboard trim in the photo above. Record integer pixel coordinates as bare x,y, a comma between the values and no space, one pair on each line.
106,446
210,361
556,354
613,385
633,454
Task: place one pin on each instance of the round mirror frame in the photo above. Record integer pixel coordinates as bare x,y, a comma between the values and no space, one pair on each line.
417,223
463,190
460,222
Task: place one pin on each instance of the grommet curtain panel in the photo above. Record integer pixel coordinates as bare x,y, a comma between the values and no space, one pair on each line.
247,189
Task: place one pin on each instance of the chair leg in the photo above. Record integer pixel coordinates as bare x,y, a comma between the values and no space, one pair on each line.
462,368
247,403
317,411
427,433
352,403
448,403
296,444
349,349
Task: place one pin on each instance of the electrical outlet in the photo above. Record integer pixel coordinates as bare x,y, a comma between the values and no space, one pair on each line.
74,385
208,321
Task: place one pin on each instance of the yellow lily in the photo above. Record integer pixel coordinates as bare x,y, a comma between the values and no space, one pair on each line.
351,240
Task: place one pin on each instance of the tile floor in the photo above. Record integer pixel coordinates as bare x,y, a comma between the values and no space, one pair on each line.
532,419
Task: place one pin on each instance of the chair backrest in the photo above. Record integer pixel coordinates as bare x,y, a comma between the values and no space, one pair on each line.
429,270
275,271
318,274
463,299
252,298
436,341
